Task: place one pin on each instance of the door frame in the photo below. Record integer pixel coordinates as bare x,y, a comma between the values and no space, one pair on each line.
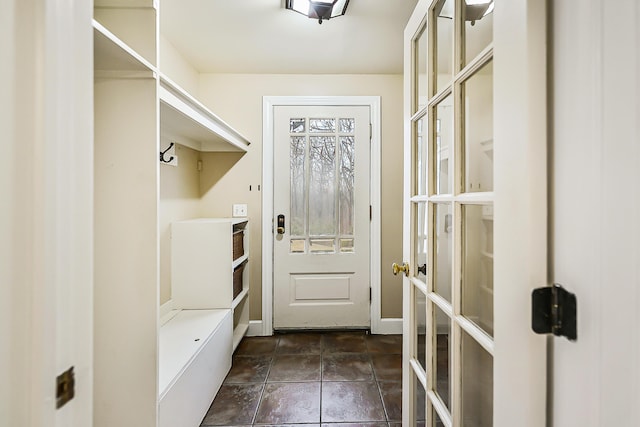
268,104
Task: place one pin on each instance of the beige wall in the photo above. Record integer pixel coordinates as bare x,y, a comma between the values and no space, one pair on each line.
175,67
179,199
231,178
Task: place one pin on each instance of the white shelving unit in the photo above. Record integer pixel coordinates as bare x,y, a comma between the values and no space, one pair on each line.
134,106
203,266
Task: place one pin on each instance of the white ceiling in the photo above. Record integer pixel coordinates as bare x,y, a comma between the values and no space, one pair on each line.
260,36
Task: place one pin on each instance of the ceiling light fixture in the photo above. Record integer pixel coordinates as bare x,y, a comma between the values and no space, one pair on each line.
318,9
474,10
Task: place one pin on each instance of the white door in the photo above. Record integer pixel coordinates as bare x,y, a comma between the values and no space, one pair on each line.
46,257
595,209
321,217
474,213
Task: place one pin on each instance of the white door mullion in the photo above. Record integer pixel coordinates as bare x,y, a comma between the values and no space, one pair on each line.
440,408
455,366
442,303
480,61
476,333
480,198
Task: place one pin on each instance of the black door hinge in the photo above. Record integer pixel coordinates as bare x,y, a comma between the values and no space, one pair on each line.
65,387
554,311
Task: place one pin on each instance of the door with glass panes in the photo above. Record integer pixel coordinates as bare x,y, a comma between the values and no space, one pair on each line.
474,212
321,210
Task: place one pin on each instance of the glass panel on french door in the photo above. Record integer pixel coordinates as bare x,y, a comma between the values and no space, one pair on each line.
437,421
478,27
442,355
444,43
421,242
421,327
477,269
443,144
443,252
420,406
322,178
478,130
420,54
477,384
420,128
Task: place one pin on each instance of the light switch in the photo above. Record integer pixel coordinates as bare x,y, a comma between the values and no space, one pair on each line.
240,210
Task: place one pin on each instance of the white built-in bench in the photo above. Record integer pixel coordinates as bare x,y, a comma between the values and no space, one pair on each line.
195,348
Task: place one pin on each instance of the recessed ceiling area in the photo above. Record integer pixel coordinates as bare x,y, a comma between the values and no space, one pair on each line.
262,37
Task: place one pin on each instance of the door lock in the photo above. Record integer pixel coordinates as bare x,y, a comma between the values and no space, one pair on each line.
398,268
280,229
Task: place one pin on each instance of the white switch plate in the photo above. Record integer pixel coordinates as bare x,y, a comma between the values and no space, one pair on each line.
239,210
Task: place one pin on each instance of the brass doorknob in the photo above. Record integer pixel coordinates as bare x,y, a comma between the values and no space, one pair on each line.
397,269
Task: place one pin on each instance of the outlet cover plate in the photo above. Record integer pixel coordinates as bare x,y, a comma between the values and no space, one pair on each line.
239,210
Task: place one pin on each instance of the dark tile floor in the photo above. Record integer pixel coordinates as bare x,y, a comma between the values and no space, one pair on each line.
316,379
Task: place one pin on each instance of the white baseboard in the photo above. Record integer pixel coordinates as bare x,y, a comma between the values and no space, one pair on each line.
255,328
389,327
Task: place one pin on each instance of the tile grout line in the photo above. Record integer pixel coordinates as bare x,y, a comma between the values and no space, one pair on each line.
264,384
377,381
321,376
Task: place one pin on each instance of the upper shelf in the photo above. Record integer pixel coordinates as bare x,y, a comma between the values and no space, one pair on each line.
190,123
182,117
126,3
113,55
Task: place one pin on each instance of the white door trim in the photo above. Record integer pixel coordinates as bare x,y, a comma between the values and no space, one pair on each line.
268,103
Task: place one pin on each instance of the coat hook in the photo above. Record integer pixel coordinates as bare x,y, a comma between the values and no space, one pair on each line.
162,153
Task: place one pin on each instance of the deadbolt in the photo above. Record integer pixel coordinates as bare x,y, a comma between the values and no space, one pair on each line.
280,228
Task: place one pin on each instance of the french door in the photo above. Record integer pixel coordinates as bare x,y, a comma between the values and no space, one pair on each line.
474,213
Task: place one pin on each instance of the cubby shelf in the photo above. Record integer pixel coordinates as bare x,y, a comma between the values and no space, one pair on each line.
150,371
202,268
111,55
184,118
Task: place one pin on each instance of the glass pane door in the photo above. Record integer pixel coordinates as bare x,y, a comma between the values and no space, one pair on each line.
452,215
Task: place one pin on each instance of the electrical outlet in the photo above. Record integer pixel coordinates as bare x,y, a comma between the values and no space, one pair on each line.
240,210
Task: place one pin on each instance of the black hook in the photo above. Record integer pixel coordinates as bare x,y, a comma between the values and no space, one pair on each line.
162,153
